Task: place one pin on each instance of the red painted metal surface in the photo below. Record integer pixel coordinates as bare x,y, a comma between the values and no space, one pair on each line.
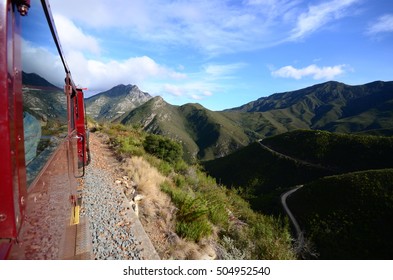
35,222
47,233
6,142
81,128
12,168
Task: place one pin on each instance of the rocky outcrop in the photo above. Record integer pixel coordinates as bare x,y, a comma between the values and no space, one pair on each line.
116,102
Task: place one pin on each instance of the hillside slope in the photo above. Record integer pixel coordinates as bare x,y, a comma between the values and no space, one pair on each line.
262,175
298,157
341,152
348,216
345,216
204,134
184,212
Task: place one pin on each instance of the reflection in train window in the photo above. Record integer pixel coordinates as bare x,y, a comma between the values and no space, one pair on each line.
44,101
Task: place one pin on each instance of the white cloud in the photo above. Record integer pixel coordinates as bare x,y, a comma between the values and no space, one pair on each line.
319,15
92,73
200,85
135,70
197,87
42,62
222,70
382,25
196,97
73,37
317,73
214,27
173,90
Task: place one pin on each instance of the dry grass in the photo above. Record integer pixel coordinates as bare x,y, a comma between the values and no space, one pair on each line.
157,214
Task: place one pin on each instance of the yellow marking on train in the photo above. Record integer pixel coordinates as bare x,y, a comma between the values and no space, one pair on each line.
75,215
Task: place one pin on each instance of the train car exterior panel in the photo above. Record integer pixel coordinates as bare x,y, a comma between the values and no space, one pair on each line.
39,202
47,232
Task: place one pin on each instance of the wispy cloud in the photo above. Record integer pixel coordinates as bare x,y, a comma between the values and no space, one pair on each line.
319,15
384,24
222,70
137,70
173,90
316,72
214,27
203,84
196,89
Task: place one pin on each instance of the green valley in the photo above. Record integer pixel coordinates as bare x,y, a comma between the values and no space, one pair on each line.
344,213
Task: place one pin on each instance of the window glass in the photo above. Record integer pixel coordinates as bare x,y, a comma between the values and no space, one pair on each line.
44,101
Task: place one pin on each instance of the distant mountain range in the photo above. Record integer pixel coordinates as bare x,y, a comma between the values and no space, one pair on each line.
331,106
206,134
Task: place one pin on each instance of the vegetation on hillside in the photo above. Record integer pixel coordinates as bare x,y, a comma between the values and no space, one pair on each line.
343,152
204,134
338,213
261,175
205,210
330,106
163,148
309,155
348,216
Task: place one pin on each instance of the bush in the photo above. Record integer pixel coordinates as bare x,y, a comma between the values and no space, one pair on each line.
163,148
165,168
129,147
192,215
229,251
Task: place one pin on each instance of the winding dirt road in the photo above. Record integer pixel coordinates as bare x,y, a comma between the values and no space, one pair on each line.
299,233
299,161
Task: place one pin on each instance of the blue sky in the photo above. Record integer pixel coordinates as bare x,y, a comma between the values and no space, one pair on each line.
223,54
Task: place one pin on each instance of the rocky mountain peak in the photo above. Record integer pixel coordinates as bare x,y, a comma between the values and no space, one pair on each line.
115,102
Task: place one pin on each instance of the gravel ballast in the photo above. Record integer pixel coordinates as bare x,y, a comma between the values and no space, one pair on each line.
116,231
111,229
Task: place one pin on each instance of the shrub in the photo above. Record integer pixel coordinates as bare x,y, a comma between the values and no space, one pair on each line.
191,218
165,168
163,148
229,251
128,146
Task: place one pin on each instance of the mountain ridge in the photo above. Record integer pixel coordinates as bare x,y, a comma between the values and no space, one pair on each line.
115,102
297,93
207,134
331,106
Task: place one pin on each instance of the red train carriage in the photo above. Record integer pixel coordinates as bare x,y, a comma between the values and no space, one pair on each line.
43,138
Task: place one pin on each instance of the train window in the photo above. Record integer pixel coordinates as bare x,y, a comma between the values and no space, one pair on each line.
44,101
